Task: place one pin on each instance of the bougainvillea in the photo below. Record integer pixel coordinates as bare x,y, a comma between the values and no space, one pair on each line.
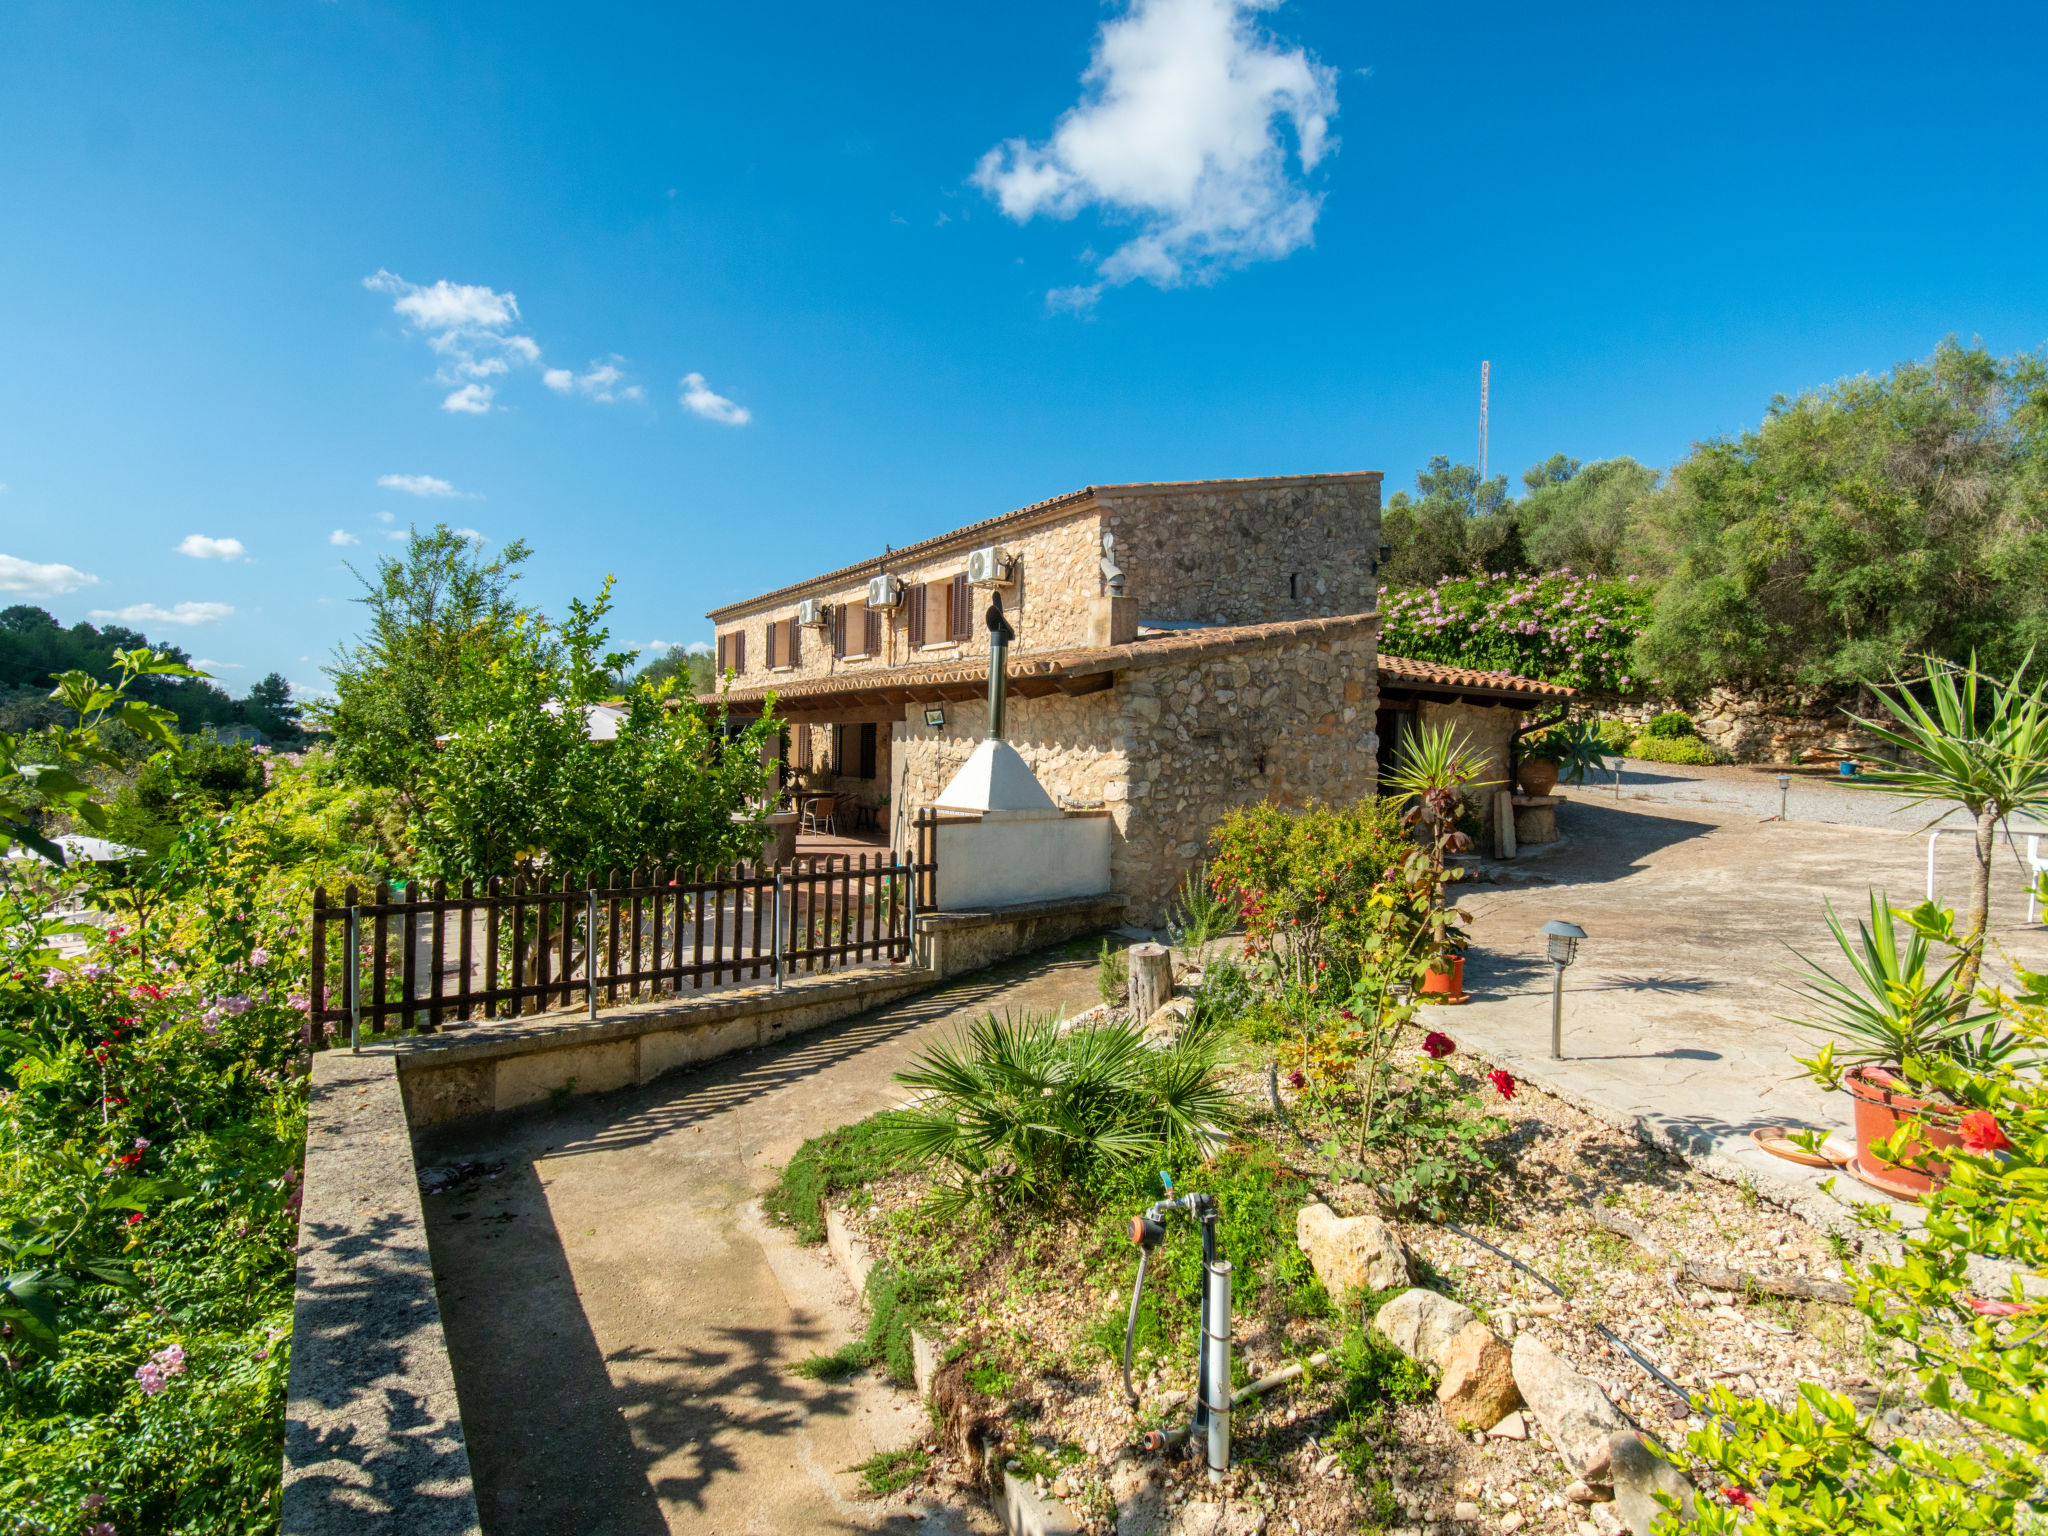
1561,627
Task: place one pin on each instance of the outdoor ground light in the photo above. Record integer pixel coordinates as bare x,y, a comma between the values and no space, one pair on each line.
1563,941
1784,794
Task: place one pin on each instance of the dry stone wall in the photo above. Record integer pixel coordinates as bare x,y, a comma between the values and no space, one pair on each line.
1786,727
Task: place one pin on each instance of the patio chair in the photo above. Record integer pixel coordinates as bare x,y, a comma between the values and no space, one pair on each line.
818,815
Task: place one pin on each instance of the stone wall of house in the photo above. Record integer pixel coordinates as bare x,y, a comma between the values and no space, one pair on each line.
1172,749
1783,727
1249,552
1223,552
1486,731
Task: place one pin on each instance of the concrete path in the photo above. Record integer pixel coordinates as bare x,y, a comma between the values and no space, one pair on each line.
1673,1012
622,1323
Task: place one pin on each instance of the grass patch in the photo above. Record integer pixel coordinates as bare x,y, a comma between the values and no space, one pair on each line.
839,1160
837,1366
886,1472
1377,1377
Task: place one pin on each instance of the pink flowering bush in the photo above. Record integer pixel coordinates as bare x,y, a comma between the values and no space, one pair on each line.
1561,627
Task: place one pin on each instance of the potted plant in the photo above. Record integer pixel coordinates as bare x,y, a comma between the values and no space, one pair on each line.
1893,1014
1435,766
1573,752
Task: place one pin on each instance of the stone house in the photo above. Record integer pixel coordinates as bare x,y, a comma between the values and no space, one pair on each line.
1180,649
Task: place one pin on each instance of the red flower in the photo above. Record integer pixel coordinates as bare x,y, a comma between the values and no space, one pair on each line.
1296,1080
1438,1044
1739,1496
135,1219
1502,1080
1980,1132
1985,1308
1347,1015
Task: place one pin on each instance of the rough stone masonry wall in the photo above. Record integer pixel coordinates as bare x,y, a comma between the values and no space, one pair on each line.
1787,727
1223,553
1289,725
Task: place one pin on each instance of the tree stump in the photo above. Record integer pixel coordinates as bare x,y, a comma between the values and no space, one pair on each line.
1151,979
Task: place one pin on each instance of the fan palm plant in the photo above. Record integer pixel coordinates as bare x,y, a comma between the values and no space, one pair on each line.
1021,1109
1982,746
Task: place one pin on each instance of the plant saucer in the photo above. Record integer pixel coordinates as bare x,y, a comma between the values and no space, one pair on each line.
1777,1140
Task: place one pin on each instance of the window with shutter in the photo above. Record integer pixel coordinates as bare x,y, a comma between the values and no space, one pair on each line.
795,641
802,744
913,616
839,629
871,632
768,652
721,655
961,610
739,651
854,636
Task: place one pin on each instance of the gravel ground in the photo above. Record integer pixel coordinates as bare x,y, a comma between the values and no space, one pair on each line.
1741,787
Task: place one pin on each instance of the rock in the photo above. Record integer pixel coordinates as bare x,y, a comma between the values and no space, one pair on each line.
1578,1492
1350,1252
1217,1520
1478,1386
1639,1474
1419,1322
1171,1017
1572,1409
1514,1427
1512,1523
1139,1491
1606,1521
1465,1511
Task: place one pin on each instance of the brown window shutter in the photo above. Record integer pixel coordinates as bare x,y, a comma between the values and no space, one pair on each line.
913,616
796,643
739,651
768,650
839,629
871,638
721,656
960,616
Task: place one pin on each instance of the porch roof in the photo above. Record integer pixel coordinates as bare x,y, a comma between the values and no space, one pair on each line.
1035,674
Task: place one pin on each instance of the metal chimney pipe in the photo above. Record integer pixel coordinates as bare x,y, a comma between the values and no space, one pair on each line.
999,637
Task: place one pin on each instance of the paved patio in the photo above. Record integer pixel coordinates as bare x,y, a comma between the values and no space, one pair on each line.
1692,905
622,1323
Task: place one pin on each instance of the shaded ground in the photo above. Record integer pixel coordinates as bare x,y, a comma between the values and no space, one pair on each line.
621,1322
1673,1010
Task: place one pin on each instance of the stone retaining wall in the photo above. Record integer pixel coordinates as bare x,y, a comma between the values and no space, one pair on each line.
1783,727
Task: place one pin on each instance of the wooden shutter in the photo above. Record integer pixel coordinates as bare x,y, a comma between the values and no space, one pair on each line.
721,656
913,615
838,750
768,651
871,631
839,629
867,751
739,651
796,644
960,611
803,748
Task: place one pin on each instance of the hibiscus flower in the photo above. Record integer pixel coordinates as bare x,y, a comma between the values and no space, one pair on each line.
1981,1133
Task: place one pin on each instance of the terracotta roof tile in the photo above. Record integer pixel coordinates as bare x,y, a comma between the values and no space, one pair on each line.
1399,669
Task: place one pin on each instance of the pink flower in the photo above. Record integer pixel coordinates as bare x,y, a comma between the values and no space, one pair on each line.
104,1528
1503,1082
1742,1498
170,1359
1981,1133
259,957
150,1377
1438,1044
94,1501
1983,1308
142,1143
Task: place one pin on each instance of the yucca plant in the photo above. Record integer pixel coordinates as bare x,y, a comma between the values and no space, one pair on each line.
1983,747
1017,1111
1895,1006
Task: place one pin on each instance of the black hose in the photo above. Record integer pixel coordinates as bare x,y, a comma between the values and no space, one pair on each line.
1131,1328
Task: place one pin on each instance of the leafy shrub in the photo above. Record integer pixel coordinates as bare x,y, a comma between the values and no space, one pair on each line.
1112,973
1671,725
1576,630
1377,1377
1615,735
1428,1146
1579,750
1020,1112
843,1159
1688,750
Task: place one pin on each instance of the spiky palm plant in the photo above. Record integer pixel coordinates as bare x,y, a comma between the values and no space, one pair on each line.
1983,747
1019,1111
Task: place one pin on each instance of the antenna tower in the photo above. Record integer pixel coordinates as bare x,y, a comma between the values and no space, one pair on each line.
1484,369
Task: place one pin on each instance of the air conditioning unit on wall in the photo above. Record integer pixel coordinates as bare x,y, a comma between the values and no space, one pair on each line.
812,614
988,567
884,592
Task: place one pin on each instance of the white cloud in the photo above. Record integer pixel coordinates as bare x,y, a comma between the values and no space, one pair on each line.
200,547
419,485
1175,131
177,613
396,535
226,666
697,648
385,517
470,534
605,381
40,580
697,396
470,327
342,538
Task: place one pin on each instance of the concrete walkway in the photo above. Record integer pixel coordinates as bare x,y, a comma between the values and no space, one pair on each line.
1673,1013
622,1322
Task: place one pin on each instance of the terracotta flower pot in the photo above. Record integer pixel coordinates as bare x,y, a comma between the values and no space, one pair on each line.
1445,985
1882,1106
1536,775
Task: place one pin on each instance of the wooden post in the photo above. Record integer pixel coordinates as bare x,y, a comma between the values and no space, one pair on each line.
1151,979
1504,824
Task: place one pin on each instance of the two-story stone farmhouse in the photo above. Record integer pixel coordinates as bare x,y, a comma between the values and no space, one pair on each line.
1181,648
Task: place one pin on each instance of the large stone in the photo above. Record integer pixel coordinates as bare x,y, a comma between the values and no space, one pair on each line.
1350,1252
1478,1386
1228,1519
1419,1322
1572,1409
1639,1474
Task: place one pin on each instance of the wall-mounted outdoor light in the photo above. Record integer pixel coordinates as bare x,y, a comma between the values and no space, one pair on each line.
1562,939
935,717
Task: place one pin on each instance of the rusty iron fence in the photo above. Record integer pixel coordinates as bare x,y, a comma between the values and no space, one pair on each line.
425,958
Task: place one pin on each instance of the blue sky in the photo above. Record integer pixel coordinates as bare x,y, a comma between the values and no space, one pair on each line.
920,269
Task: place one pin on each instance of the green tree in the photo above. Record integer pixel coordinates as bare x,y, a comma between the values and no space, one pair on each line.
1859,526
437,610
1454,524
205,778
522,774
1579,518
35,651
270,708
694,672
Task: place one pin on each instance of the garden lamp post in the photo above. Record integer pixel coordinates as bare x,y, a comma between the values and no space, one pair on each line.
1784,794
1563,941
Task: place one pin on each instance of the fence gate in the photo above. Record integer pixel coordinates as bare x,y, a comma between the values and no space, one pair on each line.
536,943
